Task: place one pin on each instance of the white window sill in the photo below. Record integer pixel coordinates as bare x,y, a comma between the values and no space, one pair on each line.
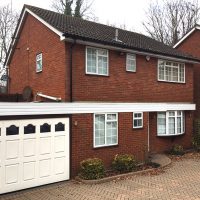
138,127
102,146
171,81
169,135
87,73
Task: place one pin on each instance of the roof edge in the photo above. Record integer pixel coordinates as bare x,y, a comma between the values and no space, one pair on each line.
24,11
197,27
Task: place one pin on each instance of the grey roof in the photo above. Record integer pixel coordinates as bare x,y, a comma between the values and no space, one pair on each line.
95,32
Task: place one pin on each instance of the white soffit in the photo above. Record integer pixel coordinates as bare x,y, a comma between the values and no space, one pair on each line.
11,109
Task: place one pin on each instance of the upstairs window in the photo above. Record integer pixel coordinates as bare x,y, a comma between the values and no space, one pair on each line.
171,71
96,61
39,62
170,123
130,63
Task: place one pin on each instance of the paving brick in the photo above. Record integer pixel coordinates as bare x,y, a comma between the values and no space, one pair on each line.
178,182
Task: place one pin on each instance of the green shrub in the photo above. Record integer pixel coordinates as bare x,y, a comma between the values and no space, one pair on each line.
177,150
92,168
124,163
196,142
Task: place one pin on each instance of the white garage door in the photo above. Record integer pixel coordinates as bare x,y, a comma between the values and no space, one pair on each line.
33,152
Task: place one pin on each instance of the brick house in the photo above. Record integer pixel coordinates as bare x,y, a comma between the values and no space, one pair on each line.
79,61
190,44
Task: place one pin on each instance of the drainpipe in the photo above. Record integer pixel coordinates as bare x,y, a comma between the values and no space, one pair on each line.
71,95
71,70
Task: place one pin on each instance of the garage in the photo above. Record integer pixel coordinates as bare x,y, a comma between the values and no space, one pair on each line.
33,152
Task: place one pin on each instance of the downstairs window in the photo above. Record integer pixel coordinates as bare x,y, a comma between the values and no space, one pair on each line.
170,123
105,129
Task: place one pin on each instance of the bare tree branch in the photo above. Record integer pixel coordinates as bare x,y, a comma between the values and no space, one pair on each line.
169,21
76,8
8,21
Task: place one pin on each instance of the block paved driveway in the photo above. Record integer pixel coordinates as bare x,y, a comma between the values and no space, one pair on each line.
181,181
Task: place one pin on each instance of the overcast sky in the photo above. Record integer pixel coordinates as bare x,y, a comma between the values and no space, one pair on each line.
128,12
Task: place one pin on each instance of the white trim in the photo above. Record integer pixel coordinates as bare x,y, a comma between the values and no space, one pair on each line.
45,23
126,50
105,145
140,118
186,36
160,80
26,10
12,109
86,49
127,55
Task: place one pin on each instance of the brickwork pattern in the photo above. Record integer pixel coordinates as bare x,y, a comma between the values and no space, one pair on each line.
192,46
162,144
179,182
130,140
36,38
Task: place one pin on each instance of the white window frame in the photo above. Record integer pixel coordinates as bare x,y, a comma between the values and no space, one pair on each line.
97,73
41,58
127,58
138,118
176,123
105,145
165,80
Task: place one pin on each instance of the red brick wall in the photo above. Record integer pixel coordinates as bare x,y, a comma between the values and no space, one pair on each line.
38,38
120,85
130,140
192,46
161,144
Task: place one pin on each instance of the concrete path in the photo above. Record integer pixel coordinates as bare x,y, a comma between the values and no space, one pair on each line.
181,180
161,159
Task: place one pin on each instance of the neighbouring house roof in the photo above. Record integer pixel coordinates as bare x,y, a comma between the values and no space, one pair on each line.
196,27
72,27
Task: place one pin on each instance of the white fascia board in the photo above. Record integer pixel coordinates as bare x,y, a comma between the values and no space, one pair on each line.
186,36
45,23
26,10
17,109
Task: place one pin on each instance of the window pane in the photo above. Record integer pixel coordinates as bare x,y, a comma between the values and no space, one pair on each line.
161,122
39,62
99,130
102,65
161,71
171,113
171,125
111,117
181,73
179,125
174,74
102,52
183,122
111,134
91,60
